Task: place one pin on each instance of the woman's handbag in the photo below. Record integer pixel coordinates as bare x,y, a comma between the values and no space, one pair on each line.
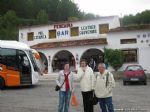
74,101
57,88
94,99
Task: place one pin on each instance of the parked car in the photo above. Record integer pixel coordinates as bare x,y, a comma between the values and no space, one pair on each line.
134,73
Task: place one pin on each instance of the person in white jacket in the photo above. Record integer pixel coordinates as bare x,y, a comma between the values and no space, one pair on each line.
103,89
87,79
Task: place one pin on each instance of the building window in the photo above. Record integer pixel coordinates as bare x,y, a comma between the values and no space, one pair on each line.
130,55
52,34
147,41
75,31
138,36
128,41
103,28
142,41
144,35
30,36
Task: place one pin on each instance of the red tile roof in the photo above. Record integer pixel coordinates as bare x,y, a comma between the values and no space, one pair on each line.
130,28
100,41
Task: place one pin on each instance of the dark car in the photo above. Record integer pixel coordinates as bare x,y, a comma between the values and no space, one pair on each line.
134,73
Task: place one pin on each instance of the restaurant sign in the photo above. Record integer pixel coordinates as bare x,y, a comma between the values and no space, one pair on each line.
63,30
89,29
40,35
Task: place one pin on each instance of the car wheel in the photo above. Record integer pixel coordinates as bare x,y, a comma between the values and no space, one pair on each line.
2,84
124,83
145,82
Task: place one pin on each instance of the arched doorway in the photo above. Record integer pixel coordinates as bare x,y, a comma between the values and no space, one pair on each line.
60,58
43,63
93,57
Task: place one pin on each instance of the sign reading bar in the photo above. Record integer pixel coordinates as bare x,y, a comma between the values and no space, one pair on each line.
66,25
63,33
90,29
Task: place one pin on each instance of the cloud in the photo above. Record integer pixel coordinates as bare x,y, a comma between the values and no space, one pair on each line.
113,7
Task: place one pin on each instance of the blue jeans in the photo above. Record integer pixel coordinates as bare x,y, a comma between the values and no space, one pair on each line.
106,104
64,101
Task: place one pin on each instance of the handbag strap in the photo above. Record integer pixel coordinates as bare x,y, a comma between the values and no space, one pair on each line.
64,80
107,79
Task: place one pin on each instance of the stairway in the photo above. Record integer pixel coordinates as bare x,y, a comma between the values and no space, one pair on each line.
26,79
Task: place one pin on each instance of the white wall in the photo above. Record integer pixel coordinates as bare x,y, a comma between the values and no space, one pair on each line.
144,58
37,29
113,39
113,22
74,50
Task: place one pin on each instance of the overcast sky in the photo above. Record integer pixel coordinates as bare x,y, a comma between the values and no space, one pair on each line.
113,7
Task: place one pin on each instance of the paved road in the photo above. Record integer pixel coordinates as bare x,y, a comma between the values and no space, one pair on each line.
43,98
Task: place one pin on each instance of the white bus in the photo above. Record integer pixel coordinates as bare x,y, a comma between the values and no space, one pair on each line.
17,65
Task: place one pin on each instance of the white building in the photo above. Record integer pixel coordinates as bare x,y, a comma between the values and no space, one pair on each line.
73,40
134,41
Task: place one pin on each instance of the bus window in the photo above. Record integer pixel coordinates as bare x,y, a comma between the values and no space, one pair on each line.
26,61
9,58
23,59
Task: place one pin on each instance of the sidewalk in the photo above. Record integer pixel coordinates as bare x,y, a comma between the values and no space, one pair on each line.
51,76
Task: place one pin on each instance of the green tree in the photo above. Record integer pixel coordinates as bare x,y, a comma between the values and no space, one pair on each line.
145,17
14,13
67,9
139,18
42,17
57,10
73,19
89,16
9,26
114,57
9,20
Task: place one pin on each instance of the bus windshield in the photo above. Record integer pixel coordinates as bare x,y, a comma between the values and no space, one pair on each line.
33,61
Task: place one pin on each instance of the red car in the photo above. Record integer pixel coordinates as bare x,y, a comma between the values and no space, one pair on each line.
134,73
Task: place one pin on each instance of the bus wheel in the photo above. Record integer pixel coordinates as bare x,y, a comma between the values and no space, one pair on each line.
2,83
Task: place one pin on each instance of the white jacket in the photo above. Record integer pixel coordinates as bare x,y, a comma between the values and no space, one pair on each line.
61,78
101,90
87,79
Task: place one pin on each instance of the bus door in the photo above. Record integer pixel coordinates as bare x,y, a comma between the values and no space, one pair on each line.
24,68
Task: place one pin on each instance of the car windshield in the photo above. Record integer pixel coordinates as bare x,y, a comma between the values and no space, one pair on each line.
134,68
